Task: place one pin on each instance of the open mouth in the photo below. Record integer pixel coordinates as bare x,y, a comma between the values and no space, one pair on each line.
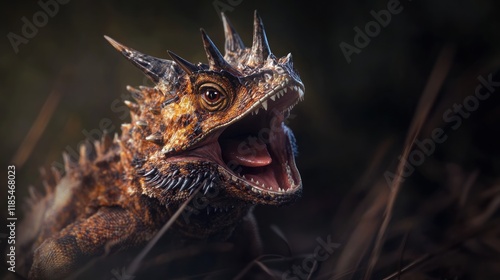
258,150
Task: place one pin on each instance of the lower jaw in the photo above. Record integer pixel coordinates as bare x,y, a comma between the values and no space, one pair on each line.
271,175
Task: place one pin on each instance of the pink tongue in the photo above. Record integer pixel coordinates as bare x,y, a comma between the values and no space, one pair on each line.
250,152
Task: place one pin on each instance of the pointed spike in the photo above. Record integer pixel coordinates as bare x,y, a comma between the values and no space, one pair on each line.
215,59
150,172
153,179
169,101
196,181
68,163
260,46
141,123
288,59
187,66
185,183
154,68
191,191
233,41
33,193
132,106
154,111
169,185
85,153
155,138
172,184
176,172
207,187
106,141
162,184
141,172
56,173
264,104
136,94
178,183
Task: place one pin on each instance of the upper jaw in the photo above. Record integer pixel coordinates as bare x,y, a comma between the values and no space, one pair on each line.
270,111
294,91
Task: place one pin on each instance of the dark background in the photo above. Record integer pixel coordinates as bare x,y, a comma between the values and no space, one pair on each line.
352,111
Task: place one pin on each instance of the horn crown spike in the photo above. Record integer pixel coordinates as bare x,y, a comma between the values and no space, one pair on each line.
154,68
215,59
233,41
260,47
187,66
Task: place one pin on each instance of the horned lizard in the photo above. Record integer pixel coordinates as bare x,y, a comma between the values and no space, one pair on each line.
203,129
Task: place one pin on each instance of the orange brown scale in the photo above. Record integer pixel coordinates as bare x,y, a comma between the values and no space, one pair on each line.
215,129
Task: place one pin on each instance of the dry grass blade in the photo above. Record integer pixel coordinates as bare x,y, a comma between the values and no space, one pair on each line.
187,252
137,261
257,261
362,236
37,129
281,235
415,263
467,186
359,223
265,269
487,227
402,249
425,104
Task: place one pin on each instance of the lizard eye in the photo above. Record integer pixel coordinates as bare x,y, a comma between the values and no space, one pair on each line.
213,97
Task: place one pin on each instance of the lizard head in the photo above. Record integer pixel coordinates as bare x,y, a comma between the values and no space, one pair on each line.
218,126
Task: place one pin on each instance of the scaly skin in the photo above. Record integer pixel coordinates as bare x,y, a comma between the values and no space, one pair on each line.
205,128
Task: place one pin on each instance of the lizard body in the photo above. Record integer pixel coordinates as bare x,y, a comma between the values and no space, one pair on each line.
215,128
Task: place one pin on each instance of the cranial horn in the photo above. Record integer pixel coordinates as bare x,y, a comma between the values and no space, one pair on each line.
187,66
233,41
260,46
215,59
153,67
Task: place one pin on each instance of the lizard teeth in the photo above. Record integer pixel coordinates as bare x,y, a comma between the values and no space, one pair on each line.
301,93
273,97
264,105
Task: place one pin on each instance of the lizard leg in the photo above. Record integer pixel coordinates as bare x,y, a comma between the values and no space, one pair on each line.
106,230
